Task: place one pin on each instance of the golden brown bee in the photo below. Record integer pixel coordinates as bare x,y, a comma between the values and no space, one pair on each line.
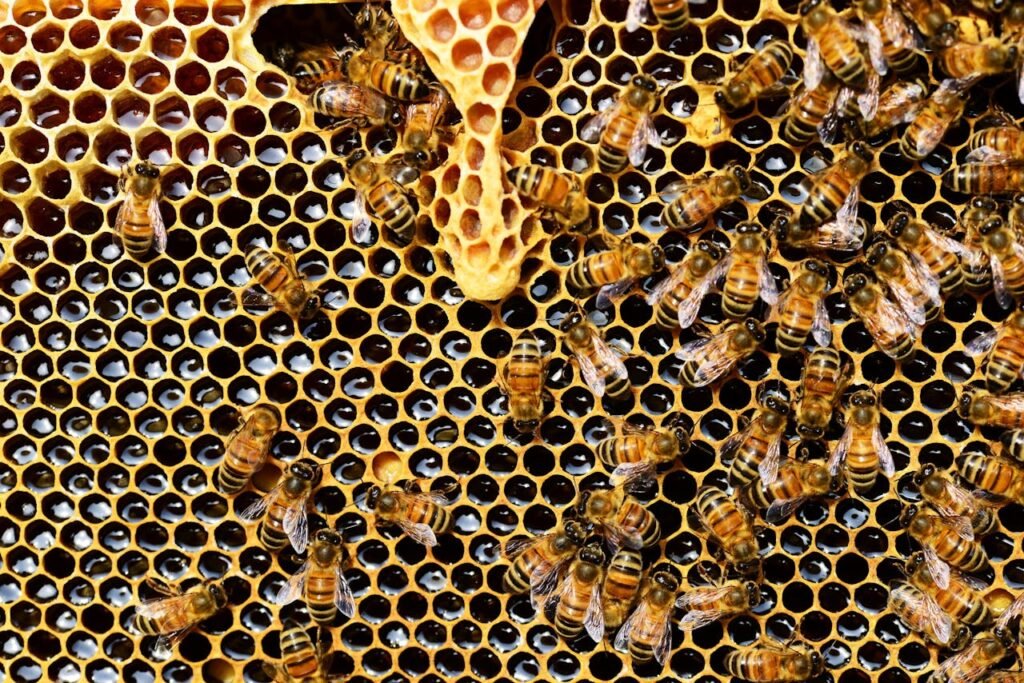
969,59
1012,444
832,44
914,287
537,561
862,446
621,585
556,192
895,36
247,448
579,598
983,408
931,250
942,545
622,520
1005,254
420,514
301,661
933,19
968,665
707,359
615,270
985,178
173,614
522,380
315,65
747,276
601,367
801,311
423,121
774,664
762,71
353,104
637,453
731,528
646,632
283,508
812,112
379,187
960,508
320,582
796,482
961,600
285,288
999,477
378,29
1004,350
139,223
892,330
845,233
836,187
677,298
625,128
756,450
999,144
934,118
707,604
397,81
692,203
975,262
824,379
899,103
672,15
922,614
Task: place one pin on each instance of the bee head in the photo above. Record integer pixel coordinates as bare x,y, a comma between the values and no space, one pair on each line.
816,266
817,664
592,553
863,151
741,177
354,158
913,562
781,227
748,228
1004,636
836,484
645,82
681,429
992,225
306,470
878,251
755,328
753,593
711,249
898,223
925,472
311,306
373,496
998,5
329,537
665,579
908,515
657,258
854,283
988,204
749,568
147,170
220,598
776,404
576,531
809,6
571,320
963,407
526,426
863,399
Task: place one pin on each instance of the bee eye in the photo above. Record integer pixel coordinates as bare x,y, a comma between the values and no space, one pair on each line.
140,168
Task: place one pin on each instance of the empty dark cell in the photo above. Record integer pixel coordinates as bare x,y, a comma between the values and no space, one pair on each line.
938,337
192,78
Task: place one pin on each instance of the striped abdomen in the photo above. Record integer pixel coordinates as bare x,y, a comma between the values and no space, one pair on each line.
621,583
690,209
826,196
635,517
959,601
1005,363
843,56
806,114
762,666
136,228
272,533
267,269
958,551
983,178
749,455
597,270
615,388
742,286
995,475
647,633
616,451
612,150
518,577
397,81
862,464
723,519
796,318
243,457
572,608
525,366
320,585
667,312
393,208
671,14
298,654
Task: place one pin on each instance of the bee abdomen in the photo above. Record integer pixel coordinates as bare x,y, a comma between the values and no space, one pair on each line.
671,14
320,600
395,211
272,537
229,480
399,82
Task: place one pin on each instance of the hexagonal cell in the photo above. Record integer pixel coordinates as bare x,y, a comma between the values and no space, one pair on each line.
212,45
228,12
107,72
190,12
152,12
112,148
30,145
25,76
124,36
169,42
28,12
89,107
231,84
150,76
66,9
68,74
84,34
467,55
49,111
171,113
48,38
441,26
104,9
12,40
14,178
130,111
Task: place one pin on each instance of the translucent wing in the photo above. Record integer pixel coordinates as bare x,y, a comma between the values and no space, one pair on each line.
255,298
360,220
625,634
989,155
867,101
730,445
698,618
593,619
691,350
590,374
343,598
636,13
873,37
712,358
421,533
607,355
814,66
821,328
259,508
607,295
782,508
677,276
644,134
295,588
926,281
769,467
690,306
967,664
900,34
912,307
545,578
673,190
166,643
296,524
945,242
123,214
829,125
592,130
1014,609
162,608
999,283
663,641
1020,84
769,290
936,567
885,461
630,472
838,457
159,229
704,594
933,618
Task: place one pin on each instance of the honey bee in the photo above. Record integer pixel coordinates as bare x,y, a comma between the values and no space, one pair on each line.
836,187
999,477
601,367
762,71
965,59
285,288
420,514
1006,259
622,520
894,35
756,450
1004,347
747,276
942,545
707,604
999,144
975,262
845,233
824,379
983,408
672,15
707,359
283,508
985,178
378,28
960,508
522,380
730,527
247,448
646,632
621,585
911,283
380,187
900,103
892,330
637,453
1012,444
922,614
692,203
301,661
555,192
315,65
423,121
968,665
774,664
934,117
579,598
933,19
537,562
961,600
625,128
797,482
931,250
320,582
801,311
677,298
353,104
397,81
139,223
862,446
174,613
615,270
832,44
812,112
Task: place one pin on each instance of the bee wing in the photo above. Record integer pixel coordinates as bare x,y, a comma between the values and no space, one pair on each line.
769,290
296,524
936,567
590,375
675,277
421,533
966,664
593,619
703,594
821,328
945,242
1014,609
932,616
625,634
343,598
159,229
814,66
592,130
925,279
663,641
734,442
912,308
360,220
517,546
166,642
1020,84
645,134
636,13
782,508
610,357
608,294
999,283
162,588
989,155
545,577
698,618
900,35
253,297
873,38
884,454
835,461
161,608
259,508
690,306
673,190
983,343
630,472
828,127
692,349
122,216
769,467
295,587
712,357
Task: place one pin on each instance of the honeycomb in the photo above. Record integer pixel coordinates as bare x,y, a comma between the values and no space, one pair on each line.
111,430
